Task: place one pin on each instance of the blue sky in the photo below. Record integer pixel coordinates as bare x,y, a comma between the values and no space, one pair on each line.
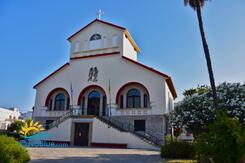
33,40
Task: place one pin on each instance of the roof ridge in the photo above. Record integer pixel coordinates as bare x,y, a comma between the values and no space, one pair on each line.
101,21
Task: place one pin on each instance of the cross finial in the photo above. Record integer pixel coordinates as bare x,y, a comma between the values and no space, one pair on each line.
99,14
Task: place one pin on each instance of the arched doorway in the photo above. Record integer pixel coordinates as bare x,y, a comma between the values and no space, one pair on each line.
93,107
92,101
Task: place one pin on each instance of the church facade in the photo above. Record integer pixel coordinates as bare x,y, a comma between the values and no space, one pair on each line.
103,96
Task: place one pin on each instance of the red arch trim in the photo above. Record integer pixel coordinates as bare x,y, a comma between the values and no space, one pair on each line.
128,84
86,89
52,92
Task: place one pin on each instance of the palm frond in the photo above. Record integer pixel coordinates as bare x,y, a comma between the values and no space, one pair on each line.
194,3
31,128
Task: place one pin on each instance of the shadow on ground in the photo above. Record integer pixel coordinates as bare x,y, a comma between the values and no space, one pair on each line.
105,158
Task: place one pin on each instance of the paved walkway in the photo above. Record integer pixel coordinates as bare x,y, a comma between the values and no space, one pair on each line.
92,155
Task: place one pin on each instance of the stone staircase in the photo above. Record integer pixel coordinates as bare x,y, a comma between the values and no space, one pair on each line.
114,123
127,127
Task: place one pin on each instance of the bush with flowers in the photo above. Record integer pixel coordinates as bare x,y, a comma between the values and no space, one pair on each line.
195,112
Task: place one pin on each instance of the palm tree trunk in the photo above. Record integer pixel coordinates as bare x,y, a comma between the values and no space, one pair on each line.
207,54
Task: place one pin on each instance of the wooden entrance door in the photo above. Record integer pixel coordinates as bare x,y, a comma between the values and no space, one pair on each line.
81,134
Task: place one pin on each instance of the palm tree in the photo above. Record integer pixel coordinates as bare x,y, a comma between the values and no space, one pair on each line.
197,5
31,128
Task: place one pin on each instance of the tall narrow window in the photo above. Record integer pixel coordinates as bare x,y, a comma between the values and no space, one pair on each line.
105,42
50,105
133,98
104,106
121,101
114,40
83,105
59,102
68,103
77,46
145,100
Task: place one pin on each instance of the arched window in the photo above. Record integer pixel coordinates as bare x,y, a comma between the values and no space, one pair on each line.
95,37
59,102
95,42
133,98
94,94
145,100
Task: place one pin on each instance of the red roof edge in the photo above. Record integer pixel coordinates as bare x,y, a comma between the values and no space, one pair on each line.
101,21
51,74
95,55
168,78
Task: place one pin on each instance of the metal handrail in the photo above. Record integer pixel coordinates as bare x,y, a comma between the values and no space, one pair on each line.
128,127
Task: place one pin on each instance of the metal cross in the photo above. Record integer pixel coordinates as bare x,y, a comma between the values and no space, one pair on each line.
99,14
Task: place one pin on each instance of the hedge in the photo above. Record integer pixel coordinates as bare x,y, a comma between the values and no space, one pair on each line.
11,151
180,150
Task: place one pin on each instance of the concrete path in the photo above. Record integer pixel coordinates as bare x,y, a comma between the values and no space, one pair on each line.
92,155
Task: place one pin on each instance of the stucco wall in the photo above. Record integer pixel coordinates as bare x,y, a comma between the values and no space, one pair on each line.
119,71
104,134
128,49
154,124
60,133
101,133
107,33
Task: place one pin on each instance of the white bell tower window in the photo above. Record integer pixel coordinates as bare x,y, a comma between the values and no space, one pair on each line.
76,46
105,42
114,40
95,41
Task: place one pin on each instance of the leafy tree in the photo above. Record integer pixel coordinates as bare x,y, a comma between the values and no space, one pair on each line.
197,5
199,90
223,142
16,126
195,111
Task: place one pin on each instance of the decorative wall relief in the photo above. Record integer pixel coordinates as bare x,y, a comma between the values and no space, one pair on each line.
93,74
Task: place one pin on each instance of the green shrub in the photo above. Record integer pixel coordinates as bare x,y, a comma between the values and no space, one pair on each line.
223,142
178,150
16,126
11,151
168,138
10,134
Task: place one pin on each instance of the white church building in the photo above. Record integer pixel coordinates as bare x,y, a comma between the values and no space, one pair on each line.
103,97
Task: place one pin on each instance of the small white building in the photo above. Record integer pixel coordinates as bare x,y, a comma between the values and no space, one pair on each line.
103,96
8,116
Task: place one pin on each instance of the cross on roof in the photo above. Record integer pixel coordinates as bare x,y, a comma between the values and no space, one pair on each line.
99,14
